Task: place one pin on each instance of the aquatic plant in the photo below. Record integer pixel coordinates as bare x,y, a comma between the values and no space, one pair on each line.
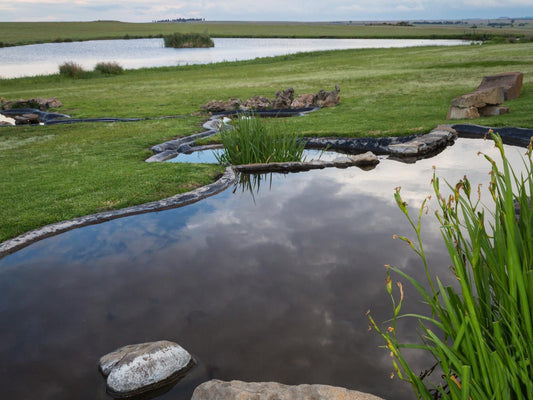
188,40
71,69
109,68
480,330
248,140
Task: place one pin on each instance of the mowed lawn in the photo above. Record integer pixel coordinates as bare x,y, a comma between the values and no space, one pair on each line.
53,173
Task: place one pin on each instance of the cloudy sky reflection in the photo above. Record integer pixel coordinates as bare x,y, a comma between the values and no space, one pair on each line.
273,287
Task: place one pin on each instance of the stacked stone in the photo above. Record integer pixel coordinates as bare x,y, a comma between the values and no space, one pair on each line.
487,99
284,99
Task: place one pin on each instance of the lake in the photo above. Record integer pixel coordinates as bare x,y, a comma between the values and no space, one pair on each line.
265,285
44,59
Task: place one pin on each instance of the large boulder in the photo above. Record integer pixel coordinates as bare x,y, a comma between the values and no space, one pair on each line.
489,111
283,98
511,82
136,369
462,113
480,98
328,99
237,390
304,101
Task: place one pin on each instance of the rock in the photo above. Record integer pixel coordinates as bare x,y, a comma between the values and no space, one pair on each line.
140,368
233,104
304,100
237,390
489,111
32,118
422,145
283,99
328,99
257,103
480,98
462,113
4,120
511,82
45,104
41,104
214,106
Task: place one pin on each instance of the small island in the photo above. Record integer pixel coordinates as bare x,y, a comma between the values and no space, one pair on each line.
188,40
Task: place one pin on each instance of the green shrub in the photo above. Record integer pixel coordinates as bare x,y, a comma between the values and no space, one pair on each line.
481,334
249,140
71,69
188,40
109,68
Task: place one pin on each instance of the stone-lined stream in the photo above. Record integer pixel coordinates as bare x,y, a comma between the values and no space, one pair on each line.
272,285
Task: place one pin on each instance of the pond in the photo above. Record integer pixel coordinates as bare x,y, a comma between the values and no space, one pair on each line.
268,285
43,59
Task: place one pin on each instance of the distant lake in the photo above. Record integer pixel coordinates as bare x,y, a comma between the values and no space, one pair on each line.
44,59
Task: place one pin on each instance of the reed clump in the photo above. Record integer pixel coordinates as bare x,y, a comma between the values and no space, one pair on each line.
188,40
248,140
71,69
479,332
109,68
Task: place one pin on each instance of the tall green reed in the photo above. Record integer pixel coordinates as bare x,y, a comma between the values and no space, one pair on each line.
249,140
480,334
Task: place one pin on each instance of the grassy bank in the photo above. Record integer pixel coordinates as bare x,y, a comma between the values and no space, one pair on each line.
18,33
57,172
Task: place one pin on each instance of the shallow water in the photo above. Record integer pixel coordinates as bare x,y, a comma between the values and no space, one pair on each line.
210,156
43,59
269,286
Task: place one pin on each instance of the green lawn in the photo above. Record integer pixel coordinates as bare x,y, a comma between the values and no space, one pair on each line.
54,173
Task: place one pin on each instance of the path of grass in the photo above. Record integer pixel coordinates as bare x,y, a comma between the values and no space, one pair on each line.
18,33
54,173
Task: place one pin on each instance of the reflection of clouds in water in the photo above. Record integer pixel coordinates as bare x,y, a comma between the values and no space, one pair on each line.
274,288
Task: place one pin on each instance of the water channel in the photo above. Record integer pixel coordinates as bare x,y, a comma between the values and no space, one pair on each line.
43,59
271,285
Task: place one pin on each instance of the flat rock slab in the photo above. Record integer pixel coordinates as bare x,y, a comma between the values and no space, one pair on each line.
423,145
480,98
136,369
367,159
511,82
238,390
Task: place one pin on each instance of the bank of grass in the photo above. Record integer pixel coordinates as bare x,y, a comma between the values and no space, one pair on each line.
19,33
383,92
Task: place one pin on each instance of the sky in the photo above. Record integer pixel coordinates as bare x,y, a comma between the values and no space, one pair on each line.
262,10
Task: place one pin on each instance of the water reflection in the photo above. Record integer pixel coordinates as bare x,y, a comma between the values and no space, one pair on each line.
269,287
42,59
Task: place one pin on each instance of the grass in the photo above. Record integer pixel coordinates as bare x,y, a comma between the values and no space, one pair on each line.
479,332
19,33
71,69
383,92
249,140
188,40
109,68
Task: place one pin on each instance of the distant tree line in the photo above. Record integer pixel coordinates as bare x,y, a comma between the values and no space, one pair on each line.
439,22
181,20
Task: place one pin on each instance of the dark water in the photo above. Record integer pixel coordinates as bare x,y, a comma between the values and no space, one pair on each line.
273,286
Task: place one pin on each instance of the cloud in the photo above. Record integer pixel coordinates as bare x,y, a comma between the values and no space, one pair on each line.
297,10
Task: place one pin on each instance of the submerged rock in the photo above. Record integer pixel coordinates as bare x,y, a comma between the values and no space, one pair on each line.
237,390
136,369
